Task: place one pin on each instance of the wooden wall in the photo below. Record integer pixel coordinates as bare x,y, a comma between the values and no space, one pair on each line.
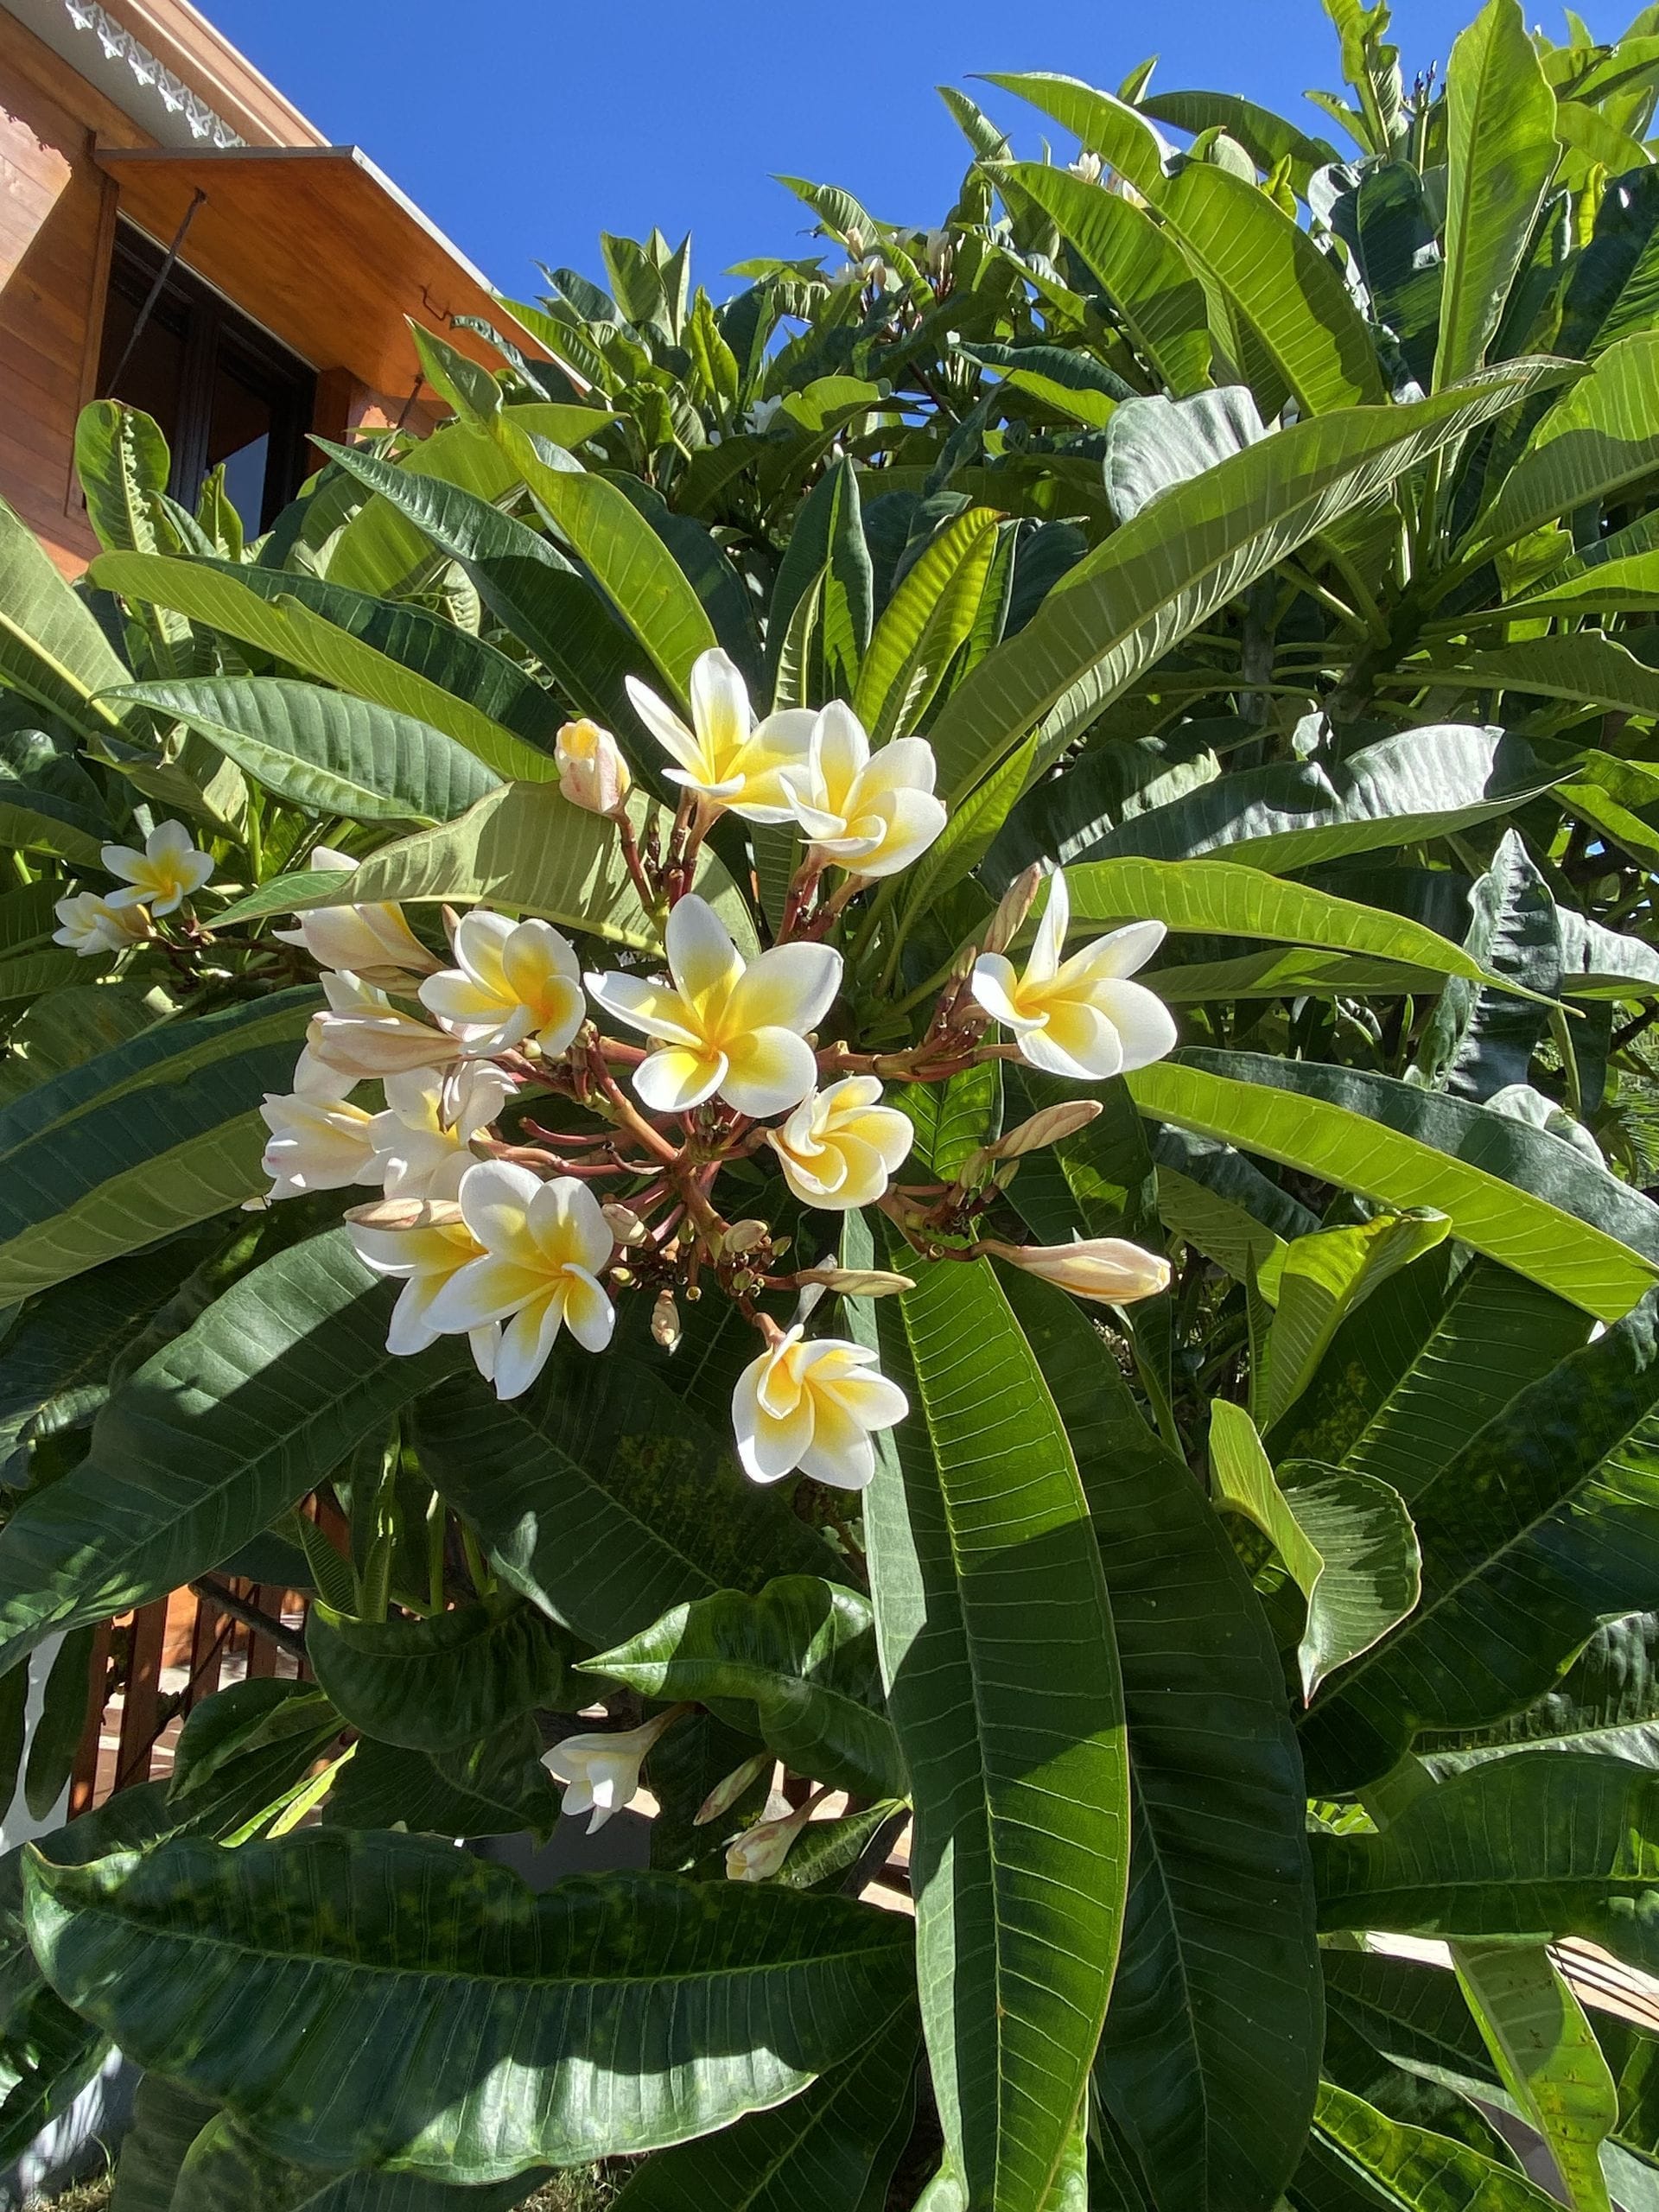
57,213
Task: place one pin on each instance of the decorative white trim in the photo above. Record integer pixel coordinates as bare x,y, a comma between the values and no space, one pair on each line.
119,45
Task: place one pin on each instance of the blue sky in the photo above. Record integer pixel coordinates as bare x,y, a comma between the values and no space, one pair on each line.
525,127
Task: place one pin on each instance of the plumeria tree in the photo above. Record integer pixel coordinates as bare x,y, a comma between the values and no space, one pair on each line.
875,1072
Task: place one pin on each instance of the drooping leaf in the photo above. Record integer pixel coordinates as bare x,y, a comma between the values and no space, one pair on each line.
432,2014
1547,2055
1358,2161
1014,1743
51,648
1322,1279
438,1684
801,1651
1598,436
326,751
1346,1542
1607,1700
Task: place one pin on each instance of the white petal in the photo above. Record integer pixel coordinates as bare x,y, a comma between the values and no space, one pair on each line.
495,1196
701,957
678,1078
994,986
1144,1027
665,726
791,987
768,1070
1050,944
526,1343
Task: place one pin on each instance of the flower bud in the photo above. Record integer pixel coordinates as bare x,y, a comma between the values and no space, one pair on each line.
725,1795
760,1850
666,1321
1109,1268
624,1224
1049,1126
857,1282
405,1213
592,773
1015,904
744,1236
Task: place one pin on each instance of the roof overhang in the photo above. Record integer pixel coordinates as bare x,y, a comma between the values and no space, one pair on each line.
318,245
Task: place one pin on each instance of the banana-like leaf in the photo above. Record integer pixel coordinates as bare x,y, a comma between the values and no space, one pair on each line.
32,820
1358,2158
326,751
1520,1195
603,1498
396,656
1106,125
1014,1743
122,464
1480,1041
1142,271
225,2165
1549,2057
431,2014
1546,1514
1200,545
1213,2085
834,2147
1544,1844
1607,1700
1583,668
439,1684
166,2121
1501,156
925,625
139,1142
499,1788
1223,899
1321,1280
525,846
1423,783
209,1441
1346,1542
1265,137
1602,435
802,1652
51,648
632,564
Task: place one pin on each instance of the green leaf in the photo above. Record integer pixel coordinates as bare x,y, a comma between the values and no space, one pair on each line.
60,1726
1585,669
225,2166
954,1118
1322,1279
1200,545
802,1651
439,1684
1423,783
1142,271
828,539
1542,1845
1607,1700
93,1170
1501,154
166,2121
1107,126
1610,288
395,656
525,847
209,1441
122,464
834,2147
1545,1516
1480,1041
1549,2059
603,1498
1015,1740
499,1787
924,626
1211,2044
1358,2161
51,648
1603,434
326,751
1346,1542
431,2014
631,563
1265,137
1520,1195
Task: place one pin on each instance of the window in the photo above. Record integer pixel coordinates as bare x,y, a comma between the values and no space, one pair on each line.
222,389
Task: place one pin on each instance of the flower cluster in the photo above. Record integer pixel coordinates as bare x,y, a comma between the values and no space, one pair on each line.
155,882
509,1231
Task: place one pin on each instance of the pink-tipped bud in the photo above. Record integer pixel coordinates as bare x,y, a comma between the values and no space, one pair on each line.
1049,1126
1108,1269
857,1282
624,1224
405,1213
1015,904
592,773
724,1794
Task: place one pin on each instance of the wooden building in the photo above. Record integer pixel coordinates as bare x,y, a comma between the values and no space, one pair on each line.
174,233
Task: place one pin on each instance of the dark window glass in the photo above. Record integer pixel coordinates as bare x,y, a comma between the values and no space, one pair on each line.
222,389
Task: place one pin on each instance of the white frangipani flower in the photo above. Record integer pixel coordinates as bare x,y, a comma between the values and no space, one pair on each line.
813,1406
373,941
1108,1269
317,1143
163,875
600,1772
423,1142
1080,1017
723,1028
544,1245
729,761
363,1034
94,924
424,1257
593,774
840,1146
872,814
513,981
